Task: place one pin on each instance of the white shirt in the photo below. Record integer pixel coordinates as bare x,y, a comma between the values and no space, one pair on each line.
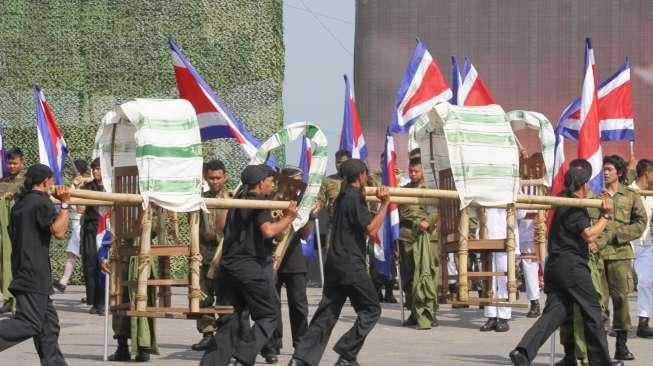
647,236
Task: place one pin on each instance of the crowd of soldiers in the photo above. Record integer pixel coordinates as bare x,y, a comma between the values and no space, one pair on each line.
619,256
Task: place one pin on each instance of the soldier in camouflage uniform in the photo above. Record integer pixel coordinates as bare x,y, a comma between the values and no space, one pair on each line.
413,221
616,252
9,185
211,227
329,191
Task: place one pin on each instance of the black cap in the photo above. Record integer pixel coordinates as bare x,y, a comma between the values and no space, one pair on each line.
351,169
252,174
37,173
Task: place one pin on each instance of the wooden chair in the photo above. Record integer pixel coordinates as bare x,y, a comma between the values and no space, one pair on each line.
130,222
455,239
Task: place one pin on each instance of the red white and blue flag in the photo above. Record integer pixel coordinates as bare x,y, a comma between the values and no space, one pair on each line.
103,237
472,91
390,228
615,109
351,136
456,80
560,165
52,147
214,117
589,135
422,87
308,245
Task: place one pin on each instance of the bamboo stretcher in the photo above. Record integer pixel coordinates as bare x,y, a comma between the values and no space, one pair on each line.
410,196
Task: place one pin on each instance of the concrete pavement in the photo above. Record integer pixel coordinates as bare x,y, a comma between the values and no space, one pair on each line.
457,341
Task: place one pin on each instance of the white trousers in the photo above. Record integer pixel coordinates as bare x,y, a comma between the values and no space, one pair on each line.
499,287
531,271
644,269
451,268
73,242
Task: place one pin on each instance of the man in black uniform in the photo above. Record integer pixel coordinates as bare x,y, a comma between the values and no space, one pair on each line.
32,223
567,279
292,273
88,246
346,275
244,280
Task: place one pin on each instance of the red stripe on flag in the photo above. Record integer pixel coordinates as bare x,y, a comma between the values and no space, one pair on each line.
190,90
432,85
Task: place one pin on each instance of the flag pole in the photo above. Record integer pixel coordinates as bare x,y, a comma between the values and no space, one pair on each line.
106,317
632,147
319,250
401,290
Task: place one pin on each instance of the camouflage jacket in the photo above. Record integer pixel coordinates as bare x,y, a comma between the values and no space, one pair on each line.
410,216
11,184
208,248
628,223
328,192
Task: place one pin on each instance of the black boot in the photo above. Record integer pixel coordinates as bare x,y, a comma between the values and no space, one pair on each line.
344,362
379,294
502,325
143,355
410,322
518,358
389,296
490,324
570,355
622,352
203,343
643,330
6,307
435,322
122,352
568,360
534,311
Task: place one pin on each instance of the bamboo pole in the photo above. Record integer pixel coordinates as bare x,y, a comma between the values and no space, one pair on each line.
165,291
420,201
463,231
483,231
540,229
521,198
116,270
83,202
144,260
510,249
194,292
136,199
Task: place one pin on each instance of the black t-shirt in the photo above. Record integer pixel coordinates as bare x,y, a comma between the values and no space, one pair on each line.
568,251
91,213
345,262
294,261
242,234
29,230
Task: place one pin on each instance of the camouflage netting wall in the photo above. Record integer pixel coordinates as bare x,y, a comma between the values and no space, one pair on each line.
91,55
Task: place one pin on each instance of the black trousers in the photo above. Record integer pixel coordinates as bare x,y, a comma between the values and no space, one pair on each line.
363,298
297,311
248,287
35,318
558,310
88,249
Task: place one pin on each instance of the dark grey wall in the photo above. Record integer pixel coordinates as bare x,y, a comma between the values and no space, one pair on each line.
530,53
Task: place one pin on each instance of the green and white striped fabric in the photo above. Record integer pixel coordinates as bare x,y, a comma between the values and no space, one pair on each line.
483,153
162,138
537,121
318,164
